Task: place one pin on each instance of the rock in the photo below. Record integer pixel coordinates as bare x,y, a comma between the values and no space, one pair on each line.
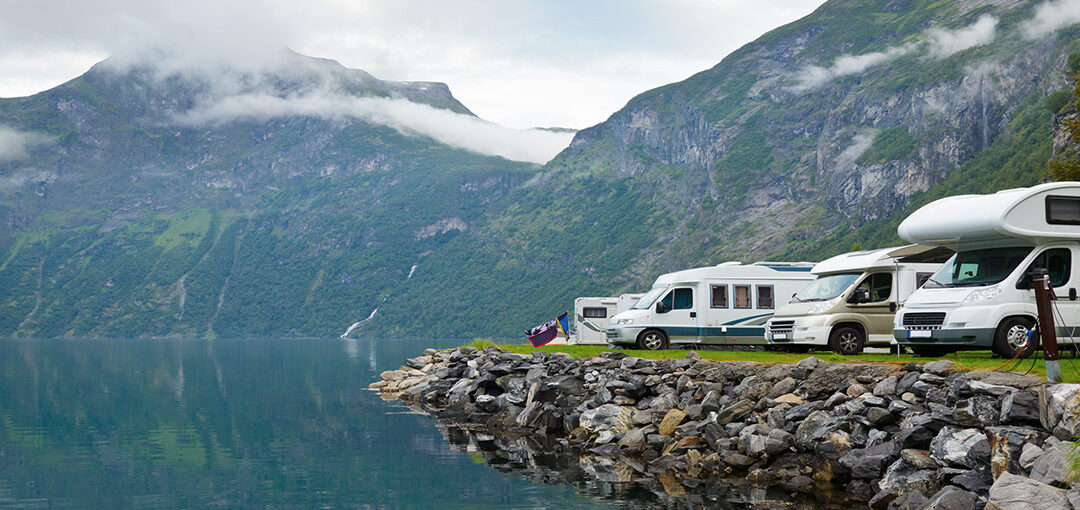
804,433
879,416
939,368
960,447
1028,455
636,436
760,439
1061,403
786,385
908,397
978,411
1006,443
951,498
909,501
836,399
789,398
901,478
1052,467
1013,492
608,417
672,419
827,378
919,459
735,411
855,390
801,411
1020,407
808,363
692,355
869,463
735,459
711,402
1008,380
886,387
975,480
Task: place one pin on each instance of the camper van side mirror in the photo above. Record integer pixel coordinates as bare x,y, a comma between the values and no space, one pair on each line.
1024,282
661,307
859,296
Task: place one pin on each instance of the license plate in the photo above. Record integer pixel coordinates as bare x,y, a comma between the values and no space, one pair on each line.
780,336
921,333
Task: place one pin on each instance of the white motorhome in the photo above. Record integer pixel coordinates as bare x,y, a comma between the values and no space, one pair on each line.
591,315
982,297
724,304
852,301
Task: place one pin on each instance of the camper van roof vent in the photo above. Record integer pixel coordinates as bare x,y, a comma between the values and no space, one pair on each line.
729,263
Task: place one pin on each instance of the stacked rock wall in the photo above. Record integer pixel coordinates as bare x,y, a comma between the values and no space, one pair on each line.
895,436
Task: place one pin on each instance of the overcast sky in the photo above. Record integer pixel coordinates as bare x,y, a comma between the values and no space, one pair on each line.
519,63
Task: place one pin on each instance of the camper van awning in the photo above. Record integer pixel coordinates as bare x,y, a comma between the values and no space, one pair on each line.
1023,213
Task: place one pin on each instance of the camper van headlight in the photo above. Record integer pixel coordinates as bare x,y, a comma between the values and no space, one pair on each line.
982,295
824,305
620,322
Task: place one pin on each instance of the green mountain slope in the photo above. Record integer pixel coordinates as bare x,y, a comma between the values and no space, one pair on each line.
132,225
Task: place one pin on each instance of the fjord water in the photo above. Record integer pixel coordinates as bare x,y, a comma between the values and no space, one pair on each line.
232,423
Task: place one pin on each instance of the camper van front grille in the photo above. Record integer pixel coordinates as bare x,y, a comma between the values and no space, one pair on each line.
924,320
781,326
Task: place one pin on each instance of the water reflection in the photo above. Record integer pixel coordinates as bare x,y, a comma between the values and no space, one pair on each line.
239,423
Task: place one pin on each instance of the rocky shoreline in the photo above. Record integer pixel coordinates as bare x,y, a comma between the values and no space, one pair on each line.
898,436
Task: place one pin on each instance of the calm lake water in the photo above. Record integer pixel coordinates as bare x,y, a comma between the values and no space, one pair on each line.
232,423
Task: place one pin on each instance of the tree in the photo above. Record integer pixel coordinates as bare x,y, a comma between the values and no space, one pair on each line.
1066,167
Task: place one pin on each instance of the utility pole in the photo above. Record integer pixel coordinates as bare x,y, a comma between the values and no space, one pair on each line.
1040,280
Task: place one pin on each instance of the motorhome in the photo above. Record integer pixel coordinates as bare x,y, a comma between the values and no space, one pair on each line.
724,304
982,297
852,301
588,325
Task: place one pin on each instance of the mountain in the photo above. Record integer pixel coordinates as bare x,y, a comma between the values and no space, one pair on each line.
291,202
819,136
134,219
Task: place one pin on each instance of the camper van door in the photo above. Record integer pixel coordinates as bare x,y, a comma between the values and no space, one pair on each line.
879,287
1060,261
677,315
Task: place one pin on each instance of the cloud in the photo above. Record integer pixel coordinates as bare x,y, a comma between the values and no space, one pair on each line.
458,130
1050,17
25,175
815,76
520,63
943,43
15,145
937,42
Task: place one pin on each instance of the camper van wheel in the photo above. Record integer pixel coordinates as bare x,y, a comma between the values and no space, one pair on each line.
846,340
1011,337
652,340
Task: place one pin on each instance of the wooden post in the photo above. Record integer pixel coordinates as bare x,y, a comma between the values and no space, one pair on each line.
1040,280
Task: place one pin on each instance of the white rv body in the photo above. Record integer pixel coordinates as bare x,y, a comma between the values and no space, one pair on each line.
724,304
589,324
982,298
828,312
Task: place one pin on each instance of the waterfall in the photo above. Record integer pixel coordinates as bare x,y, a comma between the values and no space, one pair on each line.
358,323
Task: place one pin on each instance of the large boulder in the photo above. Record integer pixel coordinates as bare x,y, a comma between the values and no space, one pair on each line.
1052,467
960,447
1020,407
951,498
1006,445
1014,492
1059,407
608,417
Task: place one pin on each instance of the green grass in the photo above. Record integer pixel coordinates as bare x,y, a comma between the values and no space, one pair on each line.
969,360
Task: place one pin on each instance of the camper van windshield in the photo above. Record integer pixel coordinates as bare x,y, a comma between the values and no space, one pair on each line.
978,267
826,287
647,300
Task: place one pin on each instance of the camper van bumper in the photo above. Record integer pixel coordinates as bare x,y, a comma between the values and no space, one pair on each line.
622,335
960,337
817,335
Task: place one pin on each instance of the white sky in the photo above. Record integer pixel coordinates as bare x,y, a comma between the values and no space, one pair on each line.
519,63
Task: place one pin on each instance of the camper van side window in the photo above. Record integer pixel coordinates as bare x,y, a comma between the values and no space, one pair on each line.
879,285
764,296
594,312
920,279
1057,261
742,296
1062,210
684,299
719,296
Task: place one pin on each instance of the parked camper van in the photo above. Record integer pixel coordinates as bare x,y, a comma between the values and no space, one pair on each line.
724,304
591,315
982,297
852,301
